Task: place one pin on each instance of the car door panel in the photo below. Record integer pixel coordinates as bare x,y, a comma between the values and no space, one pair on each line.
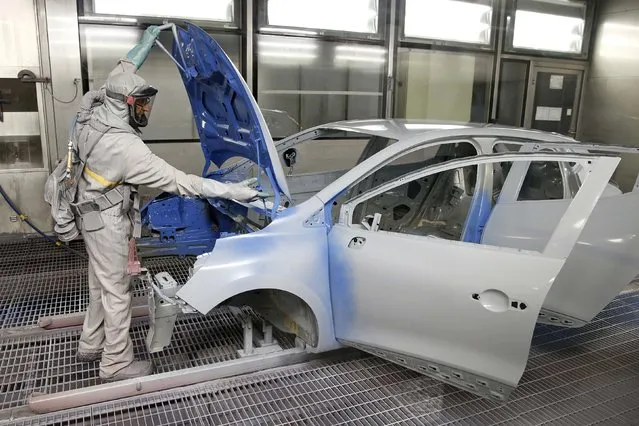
461,312
380,301
605,259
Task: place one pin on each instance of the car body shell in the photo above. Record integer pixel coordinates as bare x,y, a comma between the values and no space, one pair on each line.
460,311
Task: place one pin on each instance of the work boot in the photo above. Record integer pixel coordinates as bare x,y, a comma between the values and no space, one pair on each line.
88,356
131,371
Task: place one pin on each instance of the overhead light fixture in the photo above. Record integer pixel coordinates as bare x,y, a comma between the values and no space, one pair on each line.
448,20
560,33
353,16
215,10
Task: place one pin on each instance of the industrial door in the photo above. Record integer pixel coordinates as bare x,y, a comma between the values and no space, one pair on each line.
461,312
555,100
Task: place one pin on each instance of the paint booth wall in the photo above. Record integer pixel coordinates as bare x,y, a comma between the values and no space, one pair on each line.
610,109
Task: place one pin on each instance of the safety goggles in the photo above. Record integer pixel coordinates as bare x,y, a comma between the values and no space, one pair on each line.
140,104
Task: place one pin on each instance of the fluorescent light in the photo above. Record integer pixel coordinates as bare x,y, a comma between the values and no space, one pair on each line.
542,31
216,10
339,15
448,20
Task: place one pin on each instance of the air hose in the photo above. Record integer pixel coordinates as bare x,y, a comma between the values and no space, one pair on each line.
26,219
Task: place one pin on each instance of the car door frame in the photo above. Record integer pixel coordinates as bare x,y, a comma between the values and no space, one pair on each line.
471,363
574,301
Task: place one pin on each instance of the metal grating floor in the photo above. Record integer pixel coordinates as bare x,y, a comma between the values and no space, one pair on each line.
47,363
583,376
37,279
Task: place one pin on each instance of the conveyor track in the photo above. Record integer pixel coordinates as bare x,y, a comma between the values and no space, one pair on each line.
579,376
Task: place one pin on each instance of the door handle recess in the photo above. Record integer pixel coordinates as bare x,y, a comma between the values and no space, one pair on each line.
357,242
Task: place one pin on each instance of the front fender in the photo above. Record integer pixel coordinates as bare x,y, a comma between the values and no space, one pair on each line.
285,256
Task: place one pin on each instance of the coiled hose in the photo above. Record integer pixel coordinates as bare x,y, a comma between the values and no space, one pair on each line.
25,219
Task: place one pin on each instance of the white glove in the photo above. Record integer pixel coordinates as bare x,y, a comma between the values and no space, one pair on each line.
231,191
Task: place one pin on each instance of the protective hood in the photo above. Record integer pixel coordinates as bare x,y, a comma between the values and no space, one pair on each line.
114,112
228,119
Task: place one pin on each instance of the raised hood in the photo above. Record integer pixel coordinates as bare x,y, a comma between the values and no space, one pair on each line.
228,119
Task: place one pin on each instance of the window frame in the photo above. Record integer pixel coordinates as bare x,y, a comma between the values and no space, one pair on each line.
513,190
338,188
509,33
589,161
355,202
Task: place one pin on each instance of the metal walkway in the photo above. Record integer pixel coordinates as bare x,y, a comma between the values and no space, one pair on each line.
574,377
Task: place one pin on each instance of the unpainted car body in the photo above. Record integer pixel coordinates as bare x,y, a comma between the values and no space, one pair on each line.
424,252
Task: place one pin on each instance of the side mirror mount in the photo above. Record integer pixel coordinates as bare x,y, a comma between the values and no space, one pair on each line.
371,222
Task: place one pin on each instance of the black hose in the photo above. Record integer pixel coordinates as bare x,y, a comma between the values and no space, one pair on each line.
35,228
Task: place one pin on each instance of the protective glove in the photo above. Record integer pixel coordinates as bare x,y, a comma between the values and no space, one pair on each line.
232,191
138,54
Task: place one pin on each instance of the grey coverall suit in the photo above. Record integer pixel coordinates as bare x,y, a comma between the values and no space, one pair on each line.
120,159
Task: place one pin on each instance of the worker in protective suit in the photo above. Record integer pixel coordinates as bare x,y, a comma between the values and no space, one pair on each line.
107,209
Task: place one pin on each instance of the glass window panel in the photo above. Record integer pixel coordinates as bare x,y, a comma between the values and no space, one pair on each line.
554,26
16,96
445,86
306,82
215,10
19,39
21,152
171,117
449,20
20,142
353,15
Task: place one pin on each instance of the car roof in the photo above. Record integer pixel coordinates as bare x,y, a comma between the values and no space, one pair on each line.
404,129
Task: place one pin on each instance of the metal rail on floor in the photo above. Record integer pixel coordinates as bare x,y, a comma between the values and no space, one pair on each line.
45,403
139,309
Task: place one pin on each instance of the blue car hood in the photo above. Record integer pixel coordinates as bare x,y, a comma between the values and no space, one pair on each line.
228,119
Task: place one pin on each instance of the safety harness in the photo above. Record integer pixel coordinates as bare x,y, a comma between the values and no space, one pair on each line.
122,194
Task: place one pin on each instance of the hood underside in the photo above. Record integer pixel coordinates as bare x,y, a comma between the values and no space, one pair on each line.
229,121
